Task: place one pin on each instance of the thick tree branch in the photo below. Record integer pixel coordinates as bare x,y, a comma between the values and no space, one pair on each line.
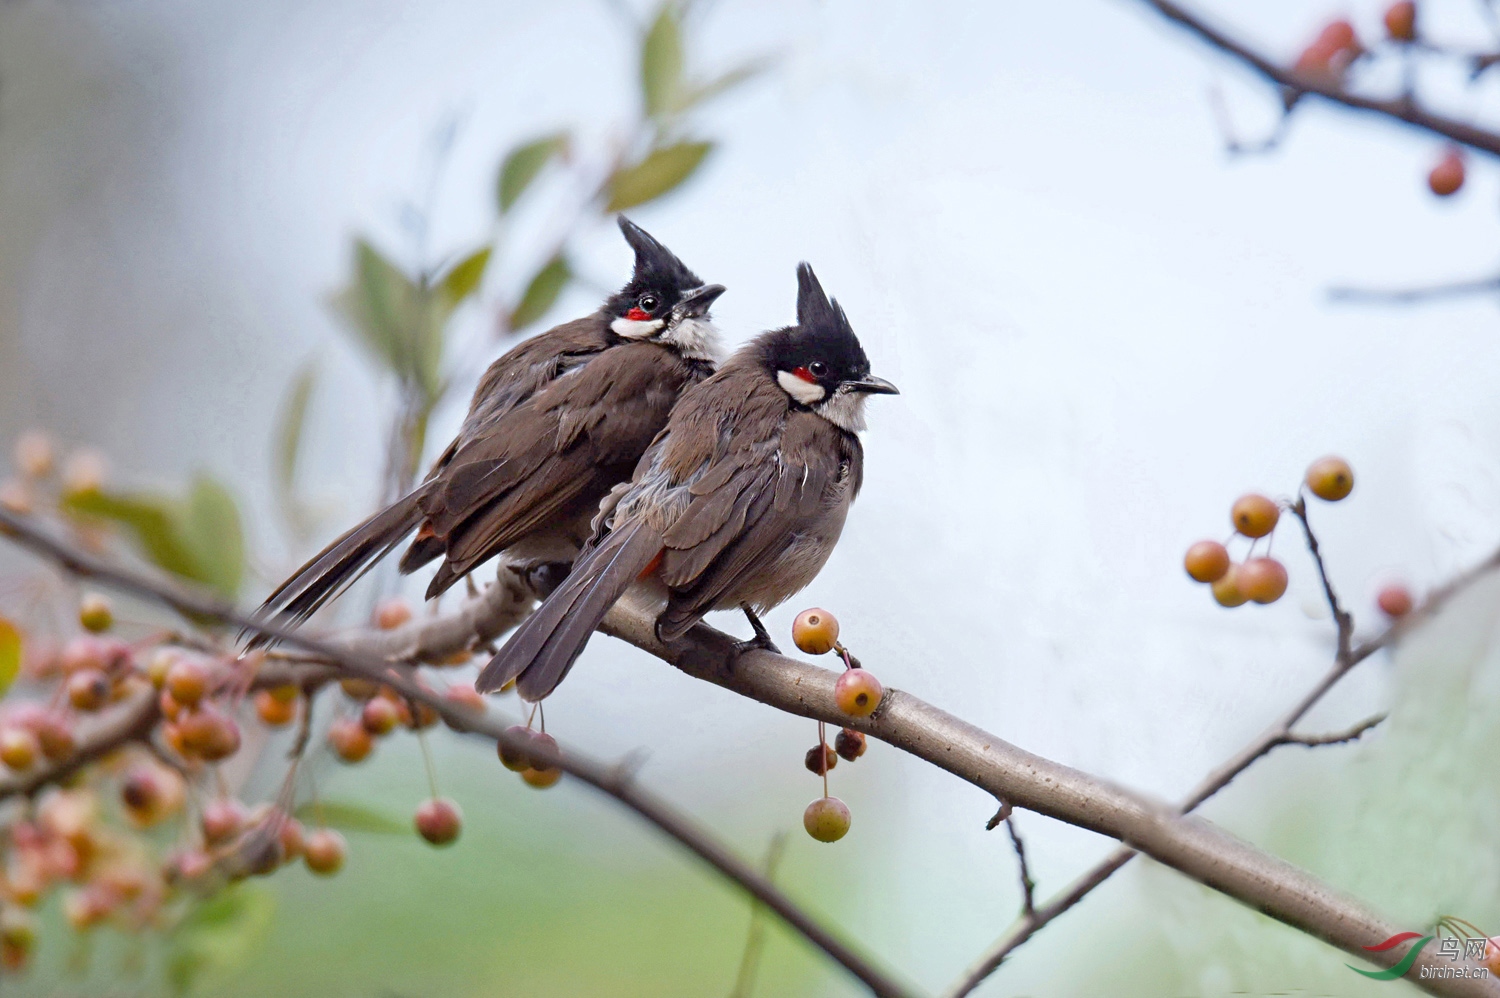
1296,85
1194,847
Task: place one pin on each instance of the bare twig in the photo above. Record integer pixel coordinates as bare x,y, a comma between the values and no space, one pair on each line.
1295,85
1279,733
1028,886
1414,296
755,938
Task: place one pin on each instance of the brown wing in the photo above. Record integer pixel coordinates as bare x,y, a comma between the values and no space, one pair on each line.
562,448
730,539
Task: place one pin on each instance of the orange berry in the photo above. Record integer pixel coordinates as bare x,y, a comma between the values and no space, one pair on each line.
1395,600
88,690
815,631
209,734
1330,478
858,693
289,836
1262,580
359,689
287,693
1448,176
392,613
350,741
34,455
439,821
95,613
1206,561
1227,588
160,664
19,748
827,819
1254,515
55,736
1401,21
187,681
274,712
541,779
324,851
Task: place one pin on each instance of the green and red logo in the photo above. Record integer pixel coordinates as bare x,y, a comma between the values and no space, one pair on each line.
1457,938
1400,969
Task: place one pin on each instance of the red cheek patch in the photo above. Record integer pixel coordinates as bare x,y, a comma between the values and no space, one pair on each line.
637,315
805,375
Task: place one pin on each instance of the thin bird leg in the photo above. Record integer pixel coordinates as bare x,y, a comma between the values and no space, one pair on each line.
762,640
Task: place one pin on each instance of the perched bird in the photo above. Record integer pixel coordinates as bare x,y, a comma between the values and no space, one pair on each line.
554,424
738,503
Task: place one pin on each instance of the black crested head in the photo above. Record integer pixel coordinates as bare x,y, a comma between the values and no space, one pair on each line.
819,361
659,281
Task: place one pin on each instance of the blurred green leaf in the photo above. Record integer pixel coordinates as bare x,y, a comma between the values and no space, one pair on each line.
541,293
384,307
198,539
661,63
290,424
523,164
10,654
463,279
657,174
219,935
698,93
349,817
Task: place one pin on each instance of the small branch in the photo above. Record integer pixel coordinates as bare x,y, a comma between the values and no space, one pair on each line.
1003,814
1418,295
1028,886
1296,85
1341,617
1336,738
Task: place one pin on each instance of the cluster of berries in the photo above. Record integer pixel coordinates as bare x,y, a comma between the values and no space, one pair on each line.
858,694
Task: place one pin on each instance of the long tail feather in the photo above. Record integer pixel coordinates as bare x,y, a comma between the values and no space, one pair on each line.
547,643
340,564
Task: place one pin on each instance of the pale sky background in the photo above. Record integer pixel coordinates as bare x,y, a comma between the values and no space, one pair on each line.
1104,330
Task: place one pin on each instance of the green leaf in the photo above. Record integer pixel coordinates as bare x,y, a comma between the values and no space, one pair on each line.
698,93
541,293
198,539
350,818
219,935
523,164
655,175
661,63
290,424
384,306
463,279
211,526
10,654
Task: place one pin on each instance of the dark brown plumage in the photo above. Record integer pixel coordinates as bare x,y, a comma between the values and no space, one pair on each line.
738,503
553,425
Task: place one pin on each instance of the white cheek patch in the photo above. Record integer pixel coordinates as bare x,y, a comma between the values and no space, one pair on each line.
806,392
695,338
845,409
636,329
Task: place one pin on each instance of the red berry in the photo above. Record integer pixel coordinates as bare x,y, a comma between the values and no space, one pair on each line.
323,852
1227,590
464,695
439,821
1330,478
187,681
1262,580
88,690
350,740
392,613
379,716
84,652
222,820
826,819
1401,21
815,631
1254,515
289,835
1395,600
850,744
858,693
820,759
274,712
1207,561
1448,176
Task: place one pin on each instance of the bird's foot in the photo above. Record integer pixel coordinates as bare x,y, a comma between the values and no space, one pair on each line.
544,577
762,640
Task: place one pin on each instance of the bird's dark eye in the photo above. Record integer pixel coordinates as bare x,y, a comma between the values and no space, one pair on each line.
817,369
647,302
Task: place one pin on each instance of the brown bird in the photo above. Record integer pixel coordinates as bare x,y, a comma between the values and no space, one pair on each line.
554,424
738,503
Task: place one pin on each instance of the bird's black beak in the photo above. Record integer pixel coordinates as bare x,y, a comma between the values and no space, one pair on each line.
873,386
696,303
